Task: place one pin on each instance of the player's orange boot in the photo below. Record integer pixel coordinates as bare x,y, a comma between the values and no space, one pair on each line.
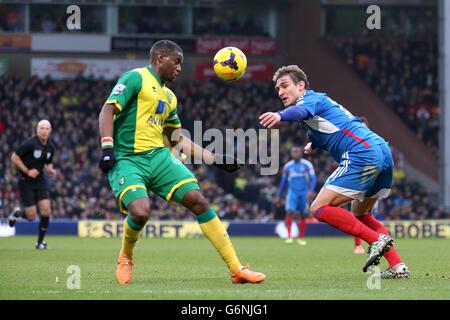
124,269
245,275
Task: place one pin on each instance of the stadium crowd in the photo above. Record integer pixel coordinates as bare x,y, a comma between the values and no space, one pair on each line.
409,87
80,190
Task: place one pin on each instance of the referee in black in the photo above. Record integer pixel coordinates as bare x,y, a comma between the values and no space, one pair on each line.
31,158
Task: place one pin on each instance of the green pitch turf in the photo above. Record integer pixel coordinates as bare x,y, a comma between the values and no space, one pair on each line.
326,268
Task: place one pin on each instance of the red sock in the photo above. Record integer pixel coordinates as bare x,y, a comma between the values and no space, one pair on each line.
346,222
392,255
288,223
357,241
301,228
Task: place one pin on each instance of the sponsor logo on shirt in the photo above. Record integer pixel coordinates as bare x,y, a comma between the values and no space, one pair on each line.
156,121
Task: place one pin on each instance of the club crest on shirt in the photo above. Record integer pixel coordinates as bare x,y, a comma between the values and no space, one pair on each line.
37,153
122,180
118,89
49,154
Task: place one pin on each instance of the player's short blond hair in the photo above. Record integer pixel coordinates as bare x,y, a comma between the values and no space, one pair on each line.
294,72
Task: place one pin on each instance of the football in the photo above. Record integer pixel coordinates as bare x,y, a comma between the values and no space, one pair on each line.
230,63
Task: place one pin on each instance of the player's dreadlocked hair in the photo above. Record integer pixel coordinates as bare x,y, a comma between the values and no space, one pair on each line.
164,47
294,72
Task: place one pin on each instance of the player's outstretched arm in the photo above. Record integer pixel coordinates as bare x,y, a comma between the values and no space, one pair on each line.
106,127
292,113
270,119
187,146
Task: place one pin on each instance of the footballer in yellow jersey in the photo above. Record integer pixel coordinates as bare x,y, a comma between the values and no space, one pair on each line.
133,120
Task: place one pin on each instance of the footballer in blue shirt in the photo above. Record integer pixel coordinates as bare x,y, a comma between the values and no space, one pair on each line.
365,168
299,179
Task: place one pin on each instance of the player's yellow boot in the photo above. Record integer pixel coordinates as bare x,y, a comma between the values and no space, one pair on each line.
245,275
124,269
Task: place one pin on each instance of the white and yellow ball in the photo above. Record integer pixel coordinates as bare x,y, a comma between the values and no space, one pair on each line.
230,63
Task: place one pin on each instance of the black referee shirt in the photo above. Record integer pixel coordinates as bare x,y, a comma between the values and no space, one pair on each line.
35,155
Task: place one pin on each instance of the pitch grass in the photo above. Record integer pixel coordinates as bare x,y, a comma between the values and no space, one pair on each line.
326,268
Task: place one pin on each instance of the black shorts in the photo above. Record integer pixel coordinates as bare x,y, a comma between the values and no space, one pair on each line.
31,193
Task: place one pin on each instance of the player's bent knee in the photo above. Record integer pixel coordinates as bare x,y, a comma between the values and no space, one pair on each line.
314,207
196,202
316,211
46,212
359,215
201,206
140,211
140,216
30,213
30,216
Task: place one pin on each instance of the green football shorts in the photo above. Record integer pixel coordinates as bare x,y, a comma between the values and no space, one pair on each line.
157,170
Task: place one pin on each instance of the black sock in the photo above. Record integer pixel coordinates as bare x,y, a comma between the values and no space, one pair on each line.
43,226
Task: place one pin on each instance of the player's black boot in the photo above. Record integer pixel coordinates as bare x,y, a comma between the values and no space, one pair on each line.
41,245
12,219
377,250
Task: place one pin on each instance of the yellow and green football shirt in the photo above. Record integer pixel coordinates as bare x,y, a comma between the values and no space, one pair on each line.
146,106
